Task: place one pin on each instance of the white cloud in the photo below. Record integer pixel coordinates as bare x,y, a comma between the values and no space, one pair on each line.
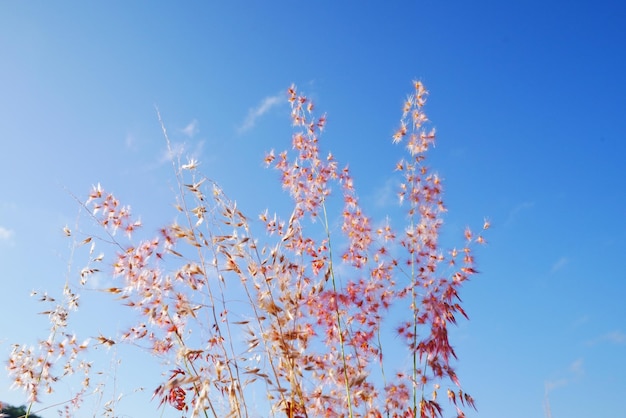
613,337
191,129
130,141
180,150
581,321
6,234
386,195
255,113
174,151
576,368
574,373
559,264
557,383
617,337
517,210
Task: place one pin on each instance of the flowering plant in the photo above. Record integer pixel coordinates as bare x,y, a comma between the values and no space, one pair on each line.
318,300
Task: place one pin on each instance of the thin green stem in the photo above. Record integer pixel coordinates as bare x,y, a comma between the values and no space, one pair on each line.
338,314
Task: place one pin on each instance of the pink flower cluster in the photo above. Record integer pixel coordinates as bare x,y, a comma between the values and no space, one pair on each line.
301,314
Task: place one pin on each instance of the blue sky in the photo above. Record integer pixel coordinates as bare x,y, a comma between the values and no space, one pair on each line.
528,99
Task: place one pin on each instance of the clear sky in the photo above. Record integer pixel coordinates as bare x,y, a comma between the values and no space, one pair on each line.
529,102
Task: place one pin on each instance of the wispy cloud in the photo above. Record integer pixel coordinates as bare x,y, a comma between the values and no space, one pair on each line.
576,368
580,321
175,150
191,129
613,337
256,112
559,264
6,234
575,371
179,150
515,212
617,337
386,195
130,141
556,383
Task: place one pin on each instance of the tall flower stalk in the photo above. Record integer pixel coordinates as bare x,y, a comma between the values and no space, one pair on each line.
294,312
